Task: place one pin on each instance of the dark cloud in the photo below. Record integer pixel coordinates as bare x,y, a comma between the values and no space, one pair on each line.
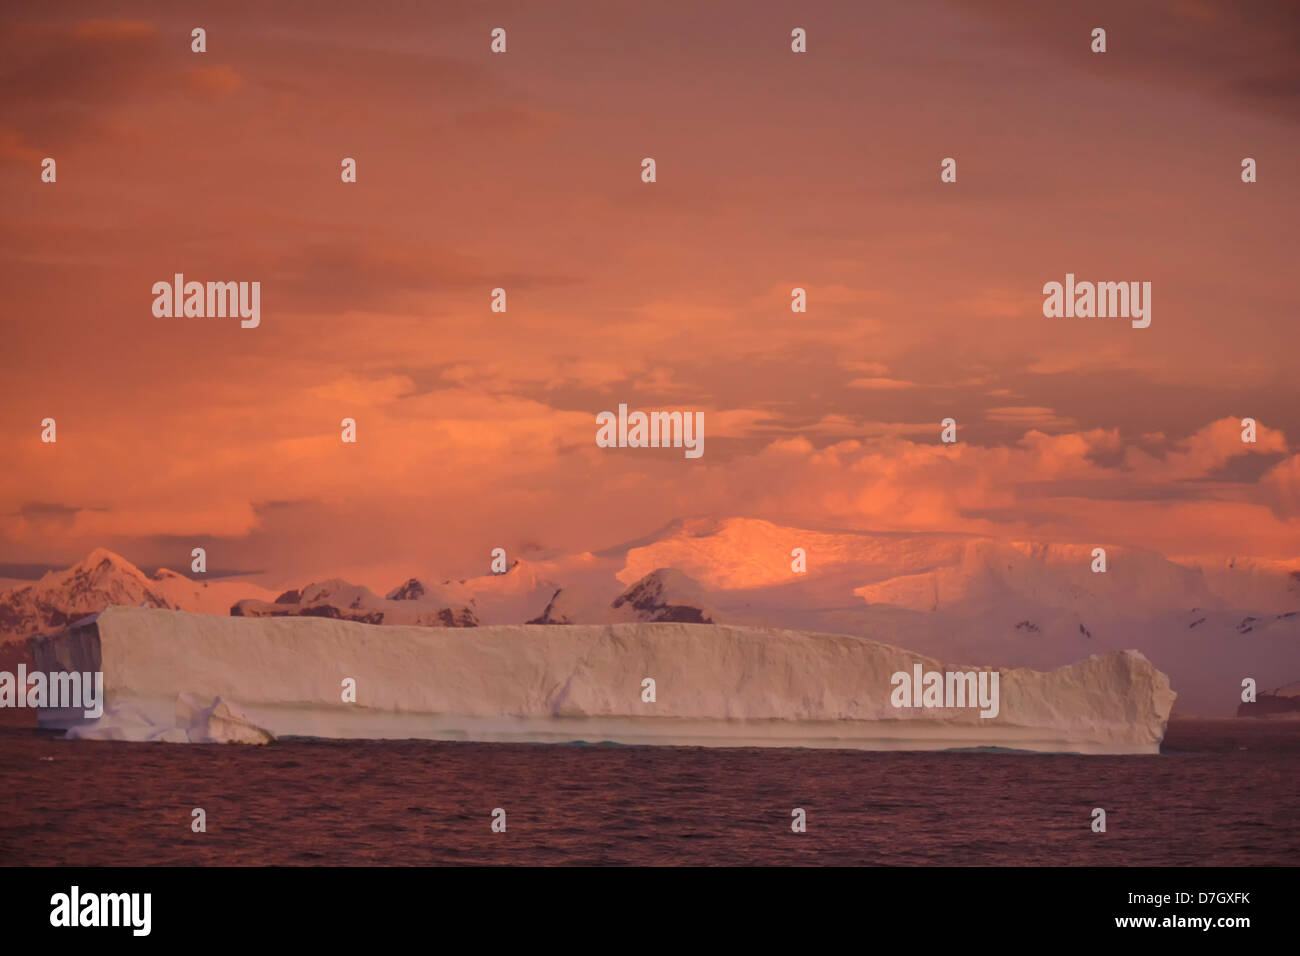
38,510
1247,53
25,572
1118,489
51,511
1245,469
377,274
61,83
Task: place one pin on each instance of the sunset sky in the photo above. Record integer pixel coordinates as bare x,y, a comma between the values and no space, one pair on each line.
775,170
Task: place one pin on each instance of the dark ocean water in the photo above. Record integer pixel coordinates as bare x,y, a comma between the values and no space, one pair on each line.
1224,793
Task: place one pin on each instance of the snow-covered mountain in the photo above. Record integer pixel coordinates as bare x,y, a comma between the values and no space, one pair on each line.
510,597
664,594
1028,604
103,578
948,595
408,604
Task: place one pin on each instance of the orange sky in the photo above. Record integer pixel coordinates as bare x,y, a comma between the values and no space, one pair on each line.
522,171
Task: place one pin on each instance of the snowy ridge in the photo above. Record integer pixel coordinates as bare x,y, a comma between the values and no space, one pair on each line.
336,598
716,686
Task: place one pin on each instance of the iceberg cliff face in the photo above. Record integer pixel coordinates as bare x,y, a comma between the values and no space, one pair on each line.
171,675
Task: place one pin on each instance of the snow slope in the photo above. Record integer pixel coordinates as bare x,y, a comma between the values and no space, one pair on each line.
169,675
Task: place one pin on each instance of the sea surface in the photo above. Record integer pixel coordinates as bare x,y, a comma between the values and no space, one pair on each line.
1223,792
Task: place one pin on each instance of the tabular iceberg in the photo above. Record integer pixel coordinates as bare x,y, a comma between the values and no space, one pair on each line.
176,676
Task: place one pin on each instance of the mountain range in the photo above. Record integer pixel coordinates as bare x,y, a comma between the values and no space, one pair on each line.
1020,604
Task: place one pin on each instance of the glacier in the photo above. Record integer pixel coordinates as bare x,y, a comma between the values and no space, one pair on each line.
181,677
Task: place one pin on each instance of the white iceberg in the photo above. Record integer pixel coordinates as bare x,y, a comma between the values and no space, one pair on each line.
716,685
